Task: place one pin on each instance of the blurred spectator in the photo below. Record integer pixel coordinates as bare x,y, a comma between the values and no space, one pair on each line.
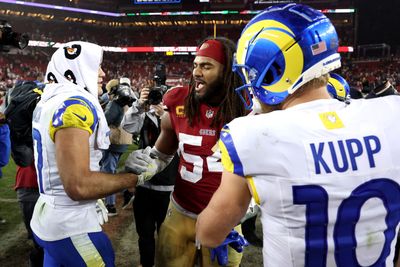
355,93
152,198
5,148
104,98
119,91
21,102
384,89
27,195
3,101
5,144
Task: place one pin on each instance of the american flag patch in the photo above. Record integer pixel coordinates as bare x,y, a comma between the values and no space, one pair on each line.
318,48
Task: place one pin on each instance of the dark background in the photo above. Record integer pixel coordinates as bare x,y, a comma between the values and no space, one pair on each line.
378,21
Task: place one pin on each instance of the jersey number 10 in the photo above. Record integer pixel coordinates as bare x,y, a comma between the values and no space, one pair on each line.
315,198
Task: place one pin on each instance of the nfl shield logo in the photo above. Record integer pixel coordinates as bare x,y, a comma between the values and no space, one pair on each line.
209,114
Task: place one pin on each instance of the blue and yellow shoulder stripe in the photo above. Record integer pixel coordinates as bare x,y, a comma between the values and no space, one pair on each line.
74,112
231,161
229,156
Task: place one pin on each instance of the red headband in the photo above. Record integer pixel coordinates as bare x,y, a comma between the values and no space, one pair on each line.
213,49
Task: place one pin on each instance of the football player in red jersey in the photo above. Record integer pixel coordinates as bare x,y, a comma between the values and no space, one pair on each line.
191,126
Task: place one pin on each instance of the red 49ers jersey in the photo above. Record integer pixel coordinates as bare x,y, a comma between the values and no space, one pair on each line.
200,168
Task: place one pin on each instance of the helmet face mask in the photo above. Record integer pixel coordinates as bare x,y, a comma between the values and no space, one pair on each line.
283,48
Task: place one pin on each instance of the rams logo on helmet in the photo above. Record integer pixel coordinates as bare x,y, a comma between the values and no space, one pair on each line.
72,52
283,48
338,87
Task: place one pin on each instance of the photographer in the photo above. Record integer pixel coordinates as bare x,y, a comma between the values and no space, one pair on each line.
121,96
26,181
21,102
152,198
9,38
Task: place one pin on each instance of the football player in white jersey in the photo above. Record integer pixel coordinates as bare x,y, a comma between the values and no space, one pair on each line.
69,131
325,173
338,87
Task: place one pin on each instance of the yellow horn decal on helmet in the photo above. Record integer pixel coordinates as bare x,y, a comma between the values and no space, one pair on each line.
339,88
249,34
293,68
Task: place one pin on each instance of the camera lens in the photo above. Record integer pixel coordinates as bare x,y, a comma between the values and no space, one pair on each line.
11,39
22,41
155,97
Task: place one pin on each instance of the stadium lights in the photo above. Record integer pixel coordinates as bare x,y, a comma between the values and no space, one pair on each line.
148,49
345,49
65,8
339,10
272,1
180,13
222,12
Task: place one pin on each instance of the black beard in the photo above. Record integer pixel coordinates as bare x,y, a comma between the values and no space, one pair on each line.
213,94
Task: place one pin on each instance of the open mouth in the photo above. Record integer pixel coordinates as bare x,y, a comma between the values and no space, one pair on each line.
199,85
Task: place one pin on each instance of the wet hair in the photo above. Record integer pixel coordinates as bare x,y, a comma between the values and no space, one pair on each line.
230,105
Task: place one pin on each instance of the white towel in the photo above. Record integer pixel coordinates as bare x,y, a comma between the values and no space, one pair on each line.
78,63
74,68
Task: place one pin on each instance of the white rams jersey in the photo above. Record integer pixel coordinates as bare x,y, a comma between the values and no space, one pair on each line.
327,176
57,216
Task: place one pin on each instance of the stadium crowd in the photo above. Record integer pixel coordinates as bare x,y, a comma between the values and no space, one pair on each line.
140,68
123,36
31,63
371,72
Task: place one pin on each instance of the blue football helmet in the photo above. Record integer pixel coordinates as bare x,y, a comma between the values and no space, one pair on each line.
283,48
338,87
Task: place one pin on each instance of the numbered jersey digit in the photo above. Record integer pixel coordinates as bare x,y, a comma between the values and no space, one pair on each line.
196,161
316,200
212,162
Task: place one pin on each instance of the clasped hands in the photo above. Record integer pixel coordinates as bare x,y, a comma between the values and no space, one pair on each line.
146,163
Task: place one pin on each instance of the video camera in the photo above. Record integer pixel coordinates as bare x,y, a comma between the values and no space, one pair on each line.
9,39
157,92
123,92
